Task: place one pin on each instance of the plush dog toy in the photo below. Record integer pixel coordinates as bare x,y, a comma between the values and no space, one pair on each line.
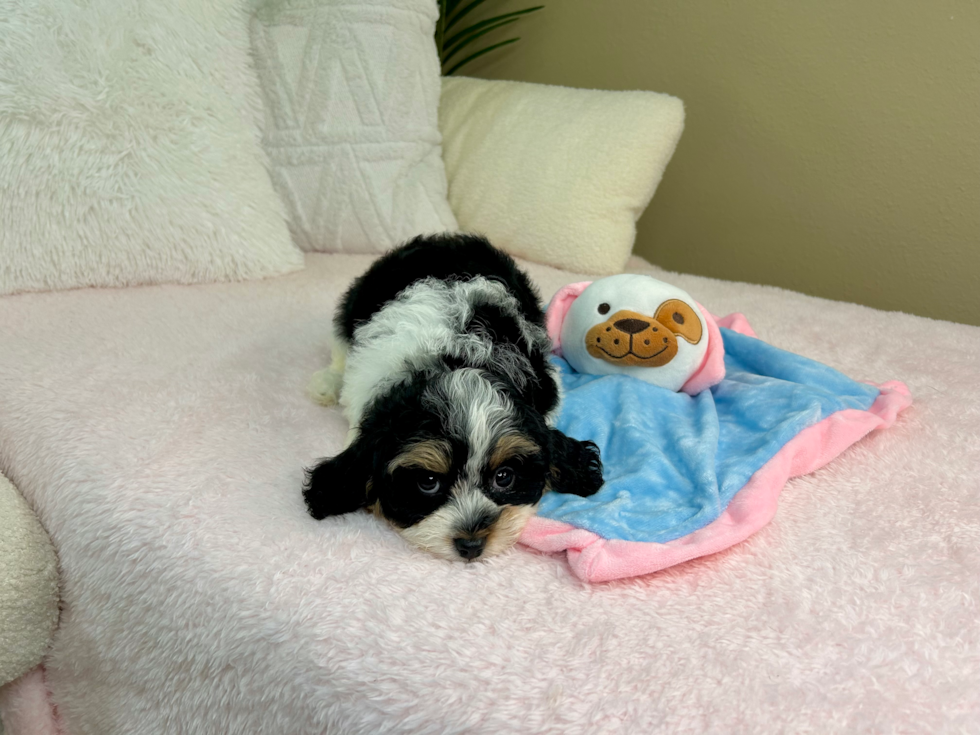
638,326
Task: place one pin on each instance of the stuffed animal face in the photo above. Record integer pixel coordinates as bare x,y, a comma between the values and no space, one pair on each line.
635,325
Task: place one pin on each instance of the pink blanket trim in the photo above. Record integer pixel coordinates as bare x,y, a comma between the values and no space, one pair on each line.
595,559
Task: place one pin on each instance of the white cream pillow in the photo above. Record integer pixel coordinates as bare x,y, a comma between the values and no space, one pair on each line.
129,147
352,98
552,174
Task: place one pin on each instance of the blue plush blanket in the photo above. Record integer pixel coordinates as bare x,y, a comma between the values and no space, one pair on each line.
673,462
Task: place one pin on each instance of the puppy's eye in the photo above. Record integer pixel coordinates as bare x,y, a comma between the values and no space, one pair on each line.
603,308
429,484
504,478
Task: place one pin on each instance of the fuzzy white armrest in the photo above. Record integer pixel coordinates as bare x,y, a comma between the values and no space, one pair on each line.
28,586
553,174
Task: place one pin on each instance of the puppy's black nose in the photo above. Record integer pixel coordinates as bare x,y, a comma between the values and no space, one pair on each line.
469,548
631,326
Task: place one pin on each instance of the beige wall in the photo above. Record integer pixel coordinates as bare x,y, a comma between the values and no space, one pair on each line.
831,147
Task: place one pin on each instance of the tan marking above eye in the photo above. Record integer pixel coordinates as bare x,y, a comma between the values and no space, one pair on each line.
681,319
432,455
510,446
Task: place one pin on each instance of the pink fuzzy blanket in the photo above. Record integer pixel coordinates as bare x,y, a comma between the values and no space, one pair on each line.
161,435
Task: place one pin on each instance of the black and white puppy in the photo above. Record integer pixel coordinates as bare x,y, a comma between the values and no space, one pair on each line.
440,362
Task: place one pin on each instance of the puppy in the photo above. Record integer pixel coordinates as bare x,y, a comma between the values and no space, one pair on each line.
440,363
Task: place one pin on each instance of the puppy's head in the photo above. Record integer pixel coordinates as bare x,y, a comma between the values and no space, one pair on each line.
456,462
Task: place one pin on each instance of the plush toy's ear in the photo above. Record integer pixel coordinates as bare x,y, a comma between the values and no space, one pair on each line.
339,484
575,466
712,368
561,302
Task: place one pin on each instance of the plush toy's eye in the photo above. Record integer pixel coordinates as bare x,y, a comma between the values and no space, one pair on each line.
429,484
603,308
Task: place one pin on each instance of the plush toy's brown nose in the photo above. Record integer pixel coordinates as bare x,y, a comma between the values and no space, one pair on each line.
631,326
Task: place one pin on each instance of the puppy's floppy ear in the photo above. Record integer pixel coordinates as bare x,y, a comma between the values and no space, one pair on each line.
339,484
575,466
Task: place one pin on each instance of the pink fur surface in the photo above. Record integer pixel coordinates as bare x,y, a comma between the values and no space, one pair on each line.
26,708
161,433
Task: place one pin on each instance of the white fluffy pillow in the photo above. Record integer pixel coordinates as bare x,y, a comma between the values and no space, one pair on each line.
352,97
552,174
129,148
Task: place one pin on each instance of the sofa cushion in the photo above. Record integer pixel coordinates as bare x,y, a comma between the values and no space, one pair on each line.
552,174
129,148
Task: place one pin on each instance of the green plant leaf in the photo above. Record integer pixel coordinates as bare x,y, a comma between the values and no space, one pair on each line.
469,30
464,12
441,24
450,53
479,53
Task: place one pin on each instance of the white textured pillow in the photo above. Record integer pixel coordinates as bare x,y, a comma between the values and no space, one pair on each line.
552,174
129,147
352,97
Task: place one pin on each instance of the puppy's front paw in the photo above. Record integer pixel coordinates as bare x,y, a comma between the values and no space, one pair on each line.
576,466
325,386
591,464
